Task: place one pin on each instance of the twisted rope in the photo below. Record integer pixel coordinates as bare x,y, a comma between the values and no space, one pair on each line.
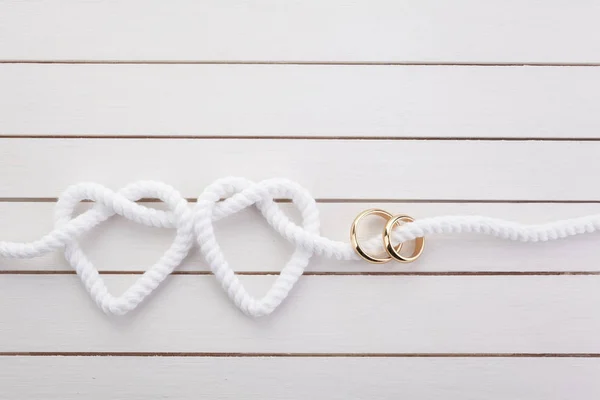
196,225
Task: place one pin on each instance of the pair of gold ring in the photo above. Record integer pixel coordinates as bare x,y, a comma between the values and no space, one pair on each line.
392,251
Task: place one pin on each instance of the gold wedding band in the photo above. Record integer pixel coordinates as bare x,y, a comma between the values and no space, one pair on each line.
393,252
354,240
389,247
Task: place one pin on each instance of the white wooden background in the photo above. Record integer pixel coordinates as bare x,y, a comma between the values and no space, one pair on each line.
426,107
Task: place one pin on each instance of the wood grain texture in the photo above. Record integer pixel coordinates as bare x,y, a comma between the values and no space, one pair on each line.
298,378
252,246
336,169
341,314
268,30
293,100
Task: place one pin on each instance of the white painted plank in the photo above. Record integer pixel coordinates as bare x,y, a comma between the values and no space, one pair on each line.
268,30
291,100
346,169
299,378
251,245
340,314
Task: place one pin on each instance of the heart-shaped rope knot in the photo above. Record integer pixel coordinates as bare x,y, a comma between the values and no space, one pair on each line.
241,193
109,203
236,193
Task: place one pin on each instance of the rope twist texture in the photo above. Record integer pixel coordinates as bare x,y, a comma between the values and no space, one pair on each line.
195,225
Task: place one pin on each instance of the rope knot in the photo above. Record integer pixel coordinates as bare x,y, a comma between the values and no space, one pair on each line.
191,225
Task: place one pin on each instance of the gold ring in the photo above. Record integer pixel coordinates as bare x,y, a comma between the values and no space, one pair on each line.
380,213
394,252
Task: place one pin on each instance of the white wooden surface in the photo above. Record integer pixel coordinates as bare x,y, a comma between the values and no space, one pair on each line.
331,169
436,31
185,378
325,314
403,105
299,100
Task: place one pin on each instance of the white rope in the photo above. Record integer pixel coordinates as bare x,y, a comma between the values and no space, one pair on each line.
195,224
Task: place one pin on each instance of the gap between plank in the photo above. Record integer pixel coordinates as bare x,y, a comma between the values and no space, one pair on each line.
297,355
335,201
322,273
308,137
250,62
